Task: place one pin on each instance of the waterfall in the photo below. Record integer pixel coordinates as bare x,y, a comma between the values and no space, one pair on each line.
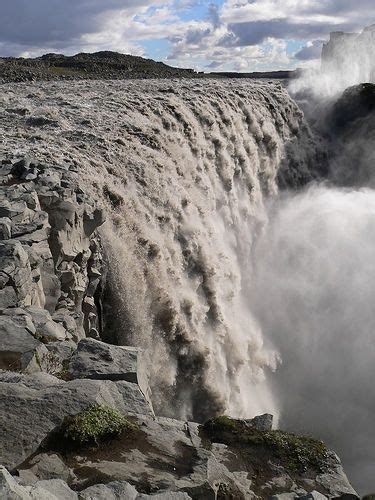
182,168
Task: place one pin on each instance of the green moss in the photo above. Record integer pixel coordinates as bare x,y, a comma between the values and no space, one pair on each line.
95,424
296,453
64,374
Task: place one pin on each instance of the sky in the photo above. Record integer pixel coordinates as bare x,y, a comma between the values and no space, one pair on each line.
207,35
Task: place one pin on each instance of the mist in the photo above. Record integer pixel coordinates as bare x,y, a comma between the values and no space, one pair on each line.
347,59
313,293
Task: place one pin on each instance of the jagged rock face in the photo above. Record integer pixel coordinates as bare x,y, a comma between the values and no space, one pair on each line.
349,127
50,256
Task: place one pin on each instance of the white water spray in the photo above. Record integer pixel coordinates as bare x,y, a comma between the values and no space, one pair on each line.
313,293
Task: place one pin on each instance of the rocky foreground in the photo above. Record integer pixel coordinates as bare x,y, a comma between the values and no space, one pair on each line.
76,414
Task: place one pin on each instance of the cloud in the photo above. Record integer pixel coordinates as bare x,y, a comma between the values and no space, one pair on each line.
312,50
245,34
61,24
253,33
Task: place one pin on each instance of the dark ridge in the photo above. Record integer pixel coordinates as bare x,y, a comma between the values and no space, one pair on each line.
97,66
279,75
108,65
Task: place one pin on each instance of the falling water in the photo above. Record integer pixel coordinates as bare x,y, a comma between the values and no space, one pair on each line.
182,168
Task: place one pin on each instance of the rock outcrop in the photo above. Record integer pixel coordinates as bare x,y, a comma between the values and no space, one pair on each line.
50,257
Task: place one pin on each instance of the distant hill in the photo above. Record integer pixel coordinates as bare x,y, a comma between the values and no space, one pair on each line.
107,65
99,65
279,75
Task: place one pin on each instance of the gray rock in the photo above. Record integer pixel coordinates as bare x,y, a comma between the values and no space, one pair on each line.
115,490
49,466
63,350
16,285
48,248
97,360
45,326
261,422
314,495
120,490
335,481
5,228
9,488
35,381
283,496
53,489
19,350
166,495
28,414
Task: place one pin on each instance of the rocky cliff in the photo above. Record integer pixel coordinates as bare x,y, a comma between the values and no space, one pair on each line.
172,172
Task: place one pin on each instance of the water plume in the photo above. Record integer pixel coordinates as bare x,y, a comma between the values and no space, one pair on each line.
313,293
347,59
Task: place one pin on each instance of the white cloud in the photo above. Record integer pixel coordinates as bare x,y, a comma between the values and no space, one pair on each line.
241,34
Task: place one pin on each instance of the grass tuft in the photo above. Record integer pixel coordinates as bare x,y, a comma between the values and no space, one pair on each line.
95,424
296,453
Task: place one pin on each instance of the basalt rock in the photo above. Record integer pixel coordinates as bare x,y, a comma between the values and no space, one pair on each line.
31,410
50,259
99,361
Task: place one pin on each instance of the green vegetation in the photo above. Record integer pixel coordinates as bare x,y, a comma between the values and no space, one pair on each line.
95,424
296,453
64,374
371,496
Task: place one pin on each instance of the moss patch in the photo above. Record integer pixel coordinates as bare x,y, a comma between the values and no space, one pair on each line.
295,453
95,424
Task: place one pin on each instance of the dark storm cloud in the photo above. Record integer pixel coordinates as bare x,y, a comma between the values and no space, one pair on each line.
312,51
214,15
54,22
197,35
301,23
254,33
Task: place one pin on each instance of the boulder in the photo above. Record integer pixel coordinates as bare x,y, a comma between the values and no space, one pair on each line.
261,422
100,361
97,360
53,489
30,412
49,466
16,285
19,350
9,488
48,329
